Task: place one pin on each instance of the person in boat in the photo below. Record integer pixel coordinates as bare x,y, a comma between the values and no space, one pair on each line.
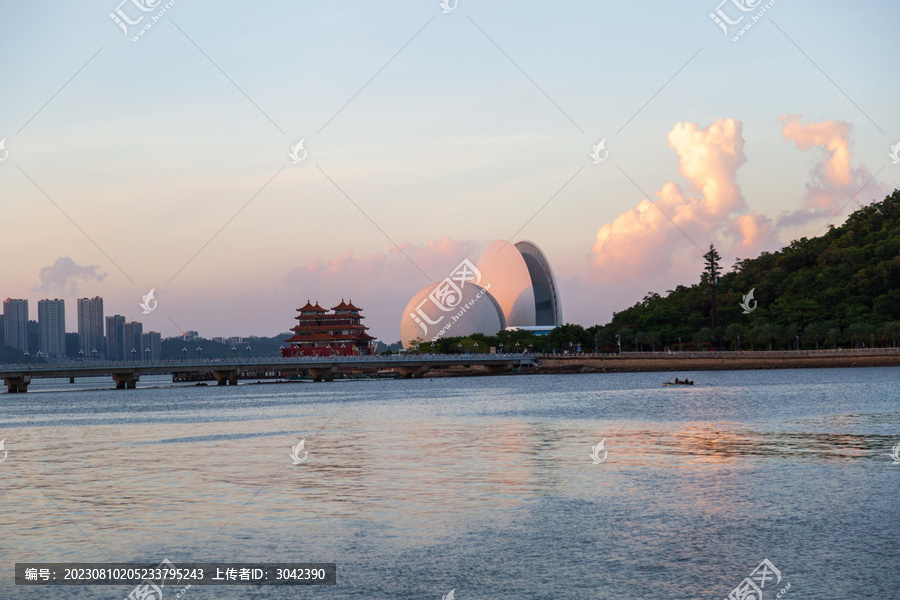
676,381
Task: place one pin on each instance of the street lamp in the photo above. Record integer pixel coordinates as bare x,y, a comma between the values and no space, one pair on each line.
81,354
147,354
184,354
739,342
132,354
798,343
198,351
679,343
26,357
517,347
501,348
233,350
248,351
94,354
460,348
619,342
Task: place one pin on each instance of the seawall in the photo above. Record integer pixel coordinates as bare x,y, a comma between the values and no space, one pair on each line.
718,361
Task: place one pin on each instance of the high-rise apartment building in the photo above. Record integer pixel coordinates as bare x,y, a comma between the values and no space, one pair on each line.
52,326
15,317
152,341
115,338
133,350
90,326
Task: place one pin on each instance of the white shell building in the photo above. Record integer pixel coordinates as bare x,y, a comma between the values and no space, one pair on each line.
511,286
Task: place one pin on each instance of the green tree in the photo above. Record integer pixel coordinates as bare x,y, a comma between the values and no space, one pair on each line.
768,333
891,331
815,332
733,334
857,333
711,272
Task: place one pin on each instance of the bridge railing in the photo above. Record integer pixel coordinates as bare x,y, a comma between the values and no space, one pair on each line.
213,363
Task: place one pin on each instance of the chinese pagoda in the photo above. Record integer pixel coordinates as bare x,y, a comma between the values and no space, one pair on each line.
322,333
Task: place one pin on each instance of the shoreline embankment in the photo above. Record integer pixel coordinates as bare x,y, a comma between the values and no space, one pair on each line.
717,361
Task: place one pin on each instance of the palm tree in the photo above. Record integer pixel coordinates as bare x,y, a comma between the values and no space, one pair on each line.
832,337
704,336
733,333
626,334
640,338
769,332
858,332
652,338
891,330
815,332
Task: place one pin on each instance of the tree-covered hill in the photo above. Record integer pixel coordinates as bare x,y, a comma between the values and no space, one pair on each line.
840,288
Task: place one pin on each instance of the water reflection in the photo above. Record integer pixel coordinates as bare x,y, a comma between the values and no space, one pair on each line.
452,477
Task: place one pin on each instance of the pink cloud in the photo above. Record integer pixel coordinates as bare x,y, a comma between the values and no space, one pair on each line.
647,239
832,181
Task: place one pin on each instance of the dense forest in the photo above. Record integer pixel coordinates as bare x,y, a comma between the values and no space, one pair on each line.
841,289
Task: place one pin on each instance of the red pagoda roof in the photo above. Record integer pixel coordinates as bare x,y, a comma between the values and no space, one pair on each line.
351,307
307,307
342,306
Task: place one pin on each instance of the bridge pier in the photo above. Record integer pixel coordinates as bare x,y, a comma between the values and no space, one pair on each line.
322,374
226,377
17,384
126,380
501,368
417,371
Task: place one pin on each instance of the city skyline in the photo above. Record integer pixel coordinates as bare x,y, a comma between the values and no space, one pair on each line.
114,339
426,135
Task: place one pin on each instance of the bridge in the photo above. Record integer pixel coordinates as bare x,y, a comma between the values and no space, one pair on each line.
228,371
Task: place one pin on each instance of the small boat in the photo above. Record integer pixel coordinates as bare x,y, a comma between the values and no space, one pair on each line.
679,382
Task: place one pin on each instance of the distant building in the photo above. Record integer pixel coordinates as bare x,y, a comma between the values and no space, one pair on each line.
34,337
15,317
219,340
234,341
322,333
115,337
190,336
133,333
90,326
151,341
52,327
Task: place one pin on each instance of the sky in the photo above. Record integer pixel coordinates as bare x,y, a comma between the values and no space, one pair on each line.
165,163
